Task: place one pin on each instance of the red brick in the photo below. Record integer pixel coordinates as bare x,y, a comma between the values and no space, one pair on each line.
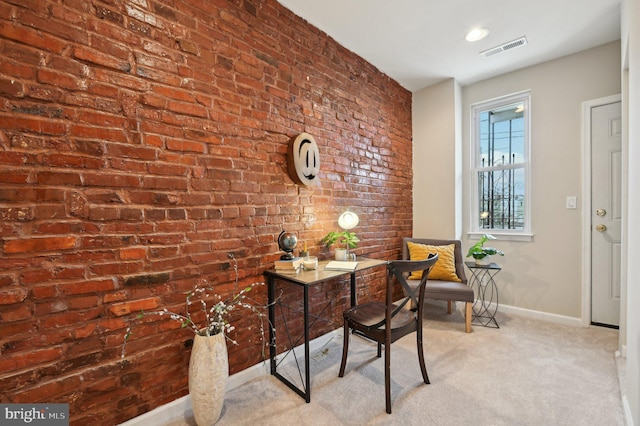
50,307
119,268
46,391
17,214
169,183
18,361
125,308
129,166
168,169
70,272
11,87
31,37
10,295
39,245
106,241
133,253
59,79
7,280
31,194
131,151
111,324
35,125
44,291
103,213
84,287
134,215
187,109
69,318
115,297
58,178
15,313
84,53
187,146
84,302
101,180
49,212
95,132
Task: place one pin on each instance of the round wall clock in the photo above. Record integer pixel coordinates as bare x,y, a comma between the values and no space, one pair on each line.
303,159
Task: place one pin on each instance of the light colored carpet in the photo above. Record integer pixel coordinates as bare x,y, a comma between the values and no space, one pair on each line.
524,373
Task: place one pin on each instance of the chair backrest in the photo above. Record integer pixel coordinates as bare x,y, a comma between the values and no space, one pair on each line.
457,251
399,270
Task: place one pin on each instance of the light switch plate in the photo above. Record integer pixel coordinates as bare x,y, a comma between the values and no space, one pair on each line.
572,202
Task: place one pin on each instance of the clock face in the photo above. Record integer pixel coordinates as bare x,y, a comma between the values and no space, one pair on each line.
303,159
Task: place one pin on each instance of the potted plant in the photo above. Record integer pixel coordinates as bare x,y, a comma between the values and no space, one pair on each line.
208,315
482,254
345,239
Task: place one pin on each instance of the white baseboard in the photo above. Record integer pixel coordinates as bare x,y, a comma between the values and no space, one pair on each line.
627,411
530,314
542,316
174,410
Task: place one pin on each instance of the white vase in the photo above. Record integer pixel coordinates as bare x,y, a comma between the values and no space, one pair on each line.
485,261
341,254
208,373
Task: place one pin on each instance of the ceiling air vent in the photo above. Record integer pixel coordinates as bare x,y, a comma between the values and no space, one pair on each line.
504,47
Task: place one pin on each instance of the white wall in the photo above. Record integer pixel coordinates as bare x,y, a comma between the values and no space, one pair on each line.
631,43
437,161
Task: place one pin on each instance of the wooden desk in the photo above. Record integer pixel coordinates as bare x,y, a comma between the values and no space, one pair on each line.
306,279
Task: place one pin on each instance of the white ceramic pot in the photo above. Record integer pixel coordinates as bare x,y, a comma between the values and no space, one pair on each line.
341,254
208,373
485,261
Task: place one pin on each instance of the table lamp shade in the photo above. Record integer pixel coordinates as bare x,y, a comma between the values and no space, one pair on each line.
348,220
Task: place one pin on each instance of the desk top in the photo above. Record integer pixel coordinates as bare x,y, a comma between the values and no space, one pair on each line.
320,274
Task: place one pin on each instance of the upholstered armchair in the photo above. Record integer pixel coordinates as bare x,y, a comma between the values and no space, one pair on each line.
447,280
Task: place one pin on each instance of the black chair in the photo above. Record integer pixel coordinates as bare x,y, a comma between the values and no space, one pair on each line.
387,322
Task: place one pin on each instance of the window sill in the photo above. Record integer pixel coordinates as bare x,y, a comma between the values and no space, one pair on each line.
502,235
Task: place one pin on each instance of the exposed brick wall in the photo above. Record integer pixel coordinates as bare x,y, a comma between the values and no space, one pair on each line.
142,141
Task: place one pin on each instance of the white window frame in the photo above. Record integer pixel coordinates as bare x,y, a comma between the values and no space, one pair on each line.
475,231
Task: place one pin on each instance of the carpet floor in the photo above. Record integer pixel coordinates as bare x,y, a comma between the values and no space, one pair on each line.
527,372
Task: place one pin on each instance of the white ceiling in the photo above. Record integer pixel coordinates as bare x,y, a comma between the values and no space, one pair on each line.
421,42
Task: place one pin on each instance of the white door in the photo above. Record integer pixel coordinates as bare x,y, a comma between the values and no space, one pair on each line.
606,213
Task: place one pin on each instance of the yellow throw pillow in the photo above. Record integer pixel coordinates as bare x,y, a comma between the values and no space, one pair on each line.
444,268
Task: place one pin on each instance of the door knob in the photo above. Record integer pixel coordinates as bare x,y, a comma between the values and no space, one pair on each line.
600,227
601,212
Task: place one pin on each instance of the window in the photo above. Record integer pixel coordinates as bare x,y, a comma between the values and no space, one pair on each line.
500,167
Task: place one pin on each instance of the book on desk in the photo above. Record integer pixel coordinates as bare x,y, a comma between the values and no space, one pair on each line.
292,266
340,265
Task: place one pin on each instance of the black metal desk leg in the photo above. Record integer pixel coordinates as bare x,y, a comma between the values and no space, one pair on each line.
354,297
307,372
271,290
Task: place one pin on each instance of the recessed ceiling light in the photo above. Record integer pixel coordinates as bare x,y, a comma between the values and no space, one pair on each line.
476,34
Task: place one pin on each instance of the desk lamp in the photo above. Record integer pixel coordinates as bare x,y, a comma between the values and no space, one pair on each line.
348,220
